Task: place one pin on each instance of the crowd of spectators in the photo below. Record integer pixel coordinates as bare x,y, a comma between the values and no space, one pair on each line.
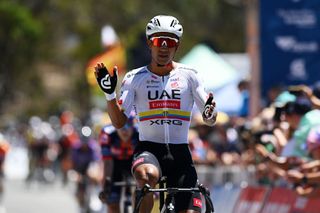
282,142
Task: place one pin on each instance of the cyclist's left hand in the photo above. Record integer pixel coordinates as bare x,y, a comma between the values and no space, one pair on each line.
103,195
209,114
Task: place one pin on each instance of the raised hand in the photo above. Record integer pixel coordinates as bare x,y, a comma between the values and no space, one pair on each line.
107,80
209,114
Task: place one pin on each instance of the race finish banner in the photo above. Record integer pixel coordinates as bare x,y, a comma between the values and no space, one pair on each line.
290,42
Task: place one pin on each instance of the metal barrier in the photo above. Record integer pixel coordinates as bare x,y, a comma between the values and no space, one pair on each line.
221,175
226,183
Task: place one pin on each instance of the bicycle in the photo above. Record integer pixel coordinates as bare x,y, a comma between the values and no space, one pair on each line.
167,203
126,192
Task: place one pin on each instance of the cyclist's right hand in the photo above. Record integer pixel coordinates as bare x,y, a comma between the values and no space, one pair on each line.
209,114
106,80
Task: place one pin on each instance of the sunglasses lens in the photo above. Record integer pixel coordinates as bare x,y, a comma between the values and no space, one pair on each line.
164,42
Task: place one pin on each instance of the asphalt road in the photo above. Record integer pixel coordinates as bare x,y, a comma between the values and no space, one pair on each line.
37,198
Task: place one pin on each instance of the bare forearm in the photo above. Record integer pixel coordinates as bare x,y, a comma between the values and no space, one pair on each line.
313,178
118,118
315,102
278,162
282,140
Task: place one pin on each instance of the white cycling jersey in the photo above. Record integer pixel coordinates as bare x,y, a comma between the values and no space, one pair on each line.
163,104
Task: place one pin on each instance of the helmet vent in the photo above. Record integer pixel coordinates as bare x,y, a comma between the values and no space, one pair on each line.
164,24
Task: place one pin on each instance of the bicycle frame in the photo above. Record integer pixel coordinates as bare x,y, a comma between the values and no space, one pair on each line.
170,194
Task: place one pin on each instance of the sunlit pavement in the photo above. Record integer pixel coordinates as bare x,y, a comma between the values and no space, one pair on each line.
36,197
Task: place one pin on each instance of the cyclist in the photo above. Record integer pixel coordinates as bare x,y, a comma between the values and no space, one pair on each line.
117,146
69,138
83,155
163,94
4,148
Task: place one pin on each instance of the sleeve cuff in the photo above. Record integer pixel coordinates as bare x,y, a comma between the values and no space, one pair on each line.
111,96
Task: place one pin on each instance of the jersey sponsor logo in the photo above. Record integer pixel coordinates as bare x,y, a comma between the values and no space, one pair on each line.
155,86
197,202
152,81
138,161
173,104
164,43
169,122
129,75
144,154
156,94
174,85
174,79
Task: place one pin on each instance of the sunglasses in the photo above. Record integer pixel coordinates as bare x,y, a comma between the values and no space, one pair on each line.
163,41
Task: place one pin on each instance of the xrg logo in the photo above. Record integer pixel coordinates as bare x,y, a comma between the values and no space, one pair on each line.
169,122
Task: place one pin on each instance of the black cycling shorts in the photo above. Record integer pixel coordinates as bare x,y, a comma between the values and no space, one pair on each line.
180,171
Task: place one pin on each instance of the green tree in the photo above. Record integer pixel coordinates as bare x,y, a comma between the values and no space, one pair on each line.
38,37
19,34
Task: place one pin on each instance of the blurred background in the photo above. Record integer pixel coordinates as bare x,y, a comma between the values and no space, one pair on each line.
46,45
247,51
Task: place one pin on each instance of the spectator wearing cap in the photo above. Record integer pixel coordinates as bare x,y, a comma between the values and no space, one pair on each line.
293,113
297,114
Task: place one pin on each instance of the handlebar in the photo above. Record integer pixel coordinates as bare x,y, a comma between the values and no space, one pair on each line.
103,195
147,189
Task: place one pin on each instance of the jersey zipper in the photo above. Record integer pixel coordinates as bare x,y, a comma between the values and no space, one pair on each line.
165,112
